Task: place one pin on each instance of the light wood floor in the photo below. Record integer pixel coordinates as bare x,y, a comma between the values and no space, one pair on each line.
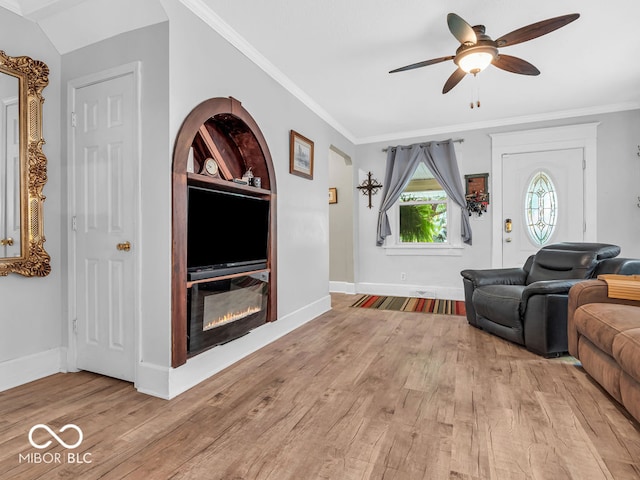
354,394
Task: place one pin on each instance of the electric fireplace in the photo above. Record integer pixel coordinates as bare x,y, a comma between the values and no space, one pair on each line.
222,310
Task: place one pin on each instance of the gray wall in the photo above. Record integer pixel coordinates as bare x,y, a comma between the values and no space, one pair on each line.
31,307
185,62
150,46
204,65
618,215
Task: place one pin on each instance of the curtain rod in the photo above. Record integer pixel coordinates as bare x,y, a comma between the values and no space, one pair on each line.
457,140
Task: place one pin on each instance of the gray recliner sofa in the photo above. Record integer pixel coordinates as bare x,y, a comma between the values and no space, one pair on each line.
528,305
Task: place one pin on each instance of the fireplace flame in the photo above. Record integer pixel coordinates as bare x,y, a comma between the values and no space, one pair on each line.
230,317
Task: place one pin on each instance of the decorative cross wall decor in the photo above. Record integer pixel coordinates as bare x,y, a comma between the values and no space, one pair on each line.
370,186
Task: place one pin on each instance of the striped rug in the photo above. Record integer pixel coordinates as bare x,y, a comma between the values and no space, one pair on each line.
412,304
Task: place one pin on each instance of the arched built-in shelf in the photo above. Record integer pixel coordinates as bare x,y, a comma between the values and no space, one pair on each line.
222,129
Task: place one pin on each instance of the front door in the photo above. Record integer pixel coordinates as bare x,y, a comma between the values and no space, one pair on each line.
543,197
105,167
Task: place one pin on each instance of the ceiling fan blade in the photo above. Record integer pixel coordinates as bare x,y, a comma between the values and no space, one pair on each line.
536,30
515,65
453,80
461,29
423,64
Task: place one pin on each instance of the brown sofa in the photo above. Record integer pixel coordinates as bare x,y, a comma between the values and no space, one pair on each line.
604,334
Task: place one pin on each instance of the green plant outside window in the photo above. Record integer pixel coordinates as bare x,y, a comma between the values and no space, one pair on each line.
423,216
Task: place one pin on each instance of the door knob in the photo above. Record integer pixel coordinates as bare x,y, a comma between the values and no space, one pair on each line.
125,246
6,241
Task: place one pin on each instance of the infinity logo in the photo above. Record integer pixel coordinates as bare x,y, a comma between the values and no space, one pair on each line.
53,434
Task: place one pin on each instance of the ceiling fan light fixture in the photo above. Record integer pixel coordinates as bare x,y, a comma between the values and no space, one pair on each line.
478,50
475,60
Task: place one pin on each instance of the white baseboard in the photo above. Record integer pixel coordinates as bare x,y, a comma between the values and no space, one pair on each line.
165,382
342,287
153,380
203,366
31,367
428,291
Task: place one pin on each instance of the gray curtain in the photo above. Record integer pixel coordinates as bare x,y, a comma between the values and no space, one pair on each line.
440,158
401,163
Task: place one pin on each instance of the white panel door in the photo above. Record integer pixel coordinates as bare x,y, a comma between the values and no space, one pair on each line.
565,169
10,185
105,162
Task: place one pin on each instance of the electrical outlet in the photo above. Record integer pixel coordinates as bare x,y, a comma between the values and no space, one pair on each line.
403,276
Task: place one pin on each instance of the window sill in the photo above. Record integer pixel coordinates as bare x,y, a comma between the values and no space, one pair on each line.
422,250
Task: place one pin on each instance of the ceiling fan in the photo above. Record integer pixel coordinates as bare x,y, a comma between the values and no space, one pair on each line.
477,50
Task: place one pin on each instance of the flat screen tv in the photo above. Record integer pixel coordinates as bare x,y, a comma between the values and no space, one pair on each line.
226,233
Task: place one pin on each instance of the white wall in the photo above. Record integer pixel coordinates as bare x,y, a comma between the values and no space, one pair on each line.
182,67
619,181
183,63
150,46
204,65
30,312
618,215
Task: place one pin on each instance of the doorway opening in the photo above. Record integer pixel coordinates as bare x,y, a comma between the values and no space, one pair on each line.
341,225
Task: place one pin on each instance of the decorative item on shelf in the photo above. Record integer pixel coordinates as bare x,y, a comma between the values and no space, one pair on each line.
209,167
369,187
300,155
333,195
477,196
248,176
190,167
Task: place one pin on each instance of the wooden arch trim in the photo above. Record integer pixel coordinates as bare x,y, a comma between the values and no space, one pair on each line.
229,122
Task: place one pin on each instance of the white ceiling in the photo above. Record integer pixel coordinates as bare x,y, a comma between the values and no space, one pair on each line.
335,55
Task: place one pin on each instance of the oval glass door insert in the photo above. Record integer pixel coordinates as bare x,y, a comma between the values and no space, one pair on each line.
541,208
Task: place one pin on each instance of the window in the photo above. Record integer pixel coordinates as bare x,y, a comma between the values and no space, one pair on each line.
420,218
423,212
541,208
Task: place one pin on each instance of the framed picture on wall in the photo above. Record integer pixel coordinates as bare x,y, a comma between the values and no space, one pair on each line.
300,155
333,195
477,184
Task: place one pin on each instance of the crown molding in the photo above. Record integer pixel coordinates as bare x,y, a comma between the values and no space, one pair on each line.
501,122
12,5
204,12
37,10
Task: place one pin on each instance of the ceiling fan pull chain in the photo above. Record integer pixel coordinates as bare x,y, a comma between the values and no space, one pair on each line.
475,92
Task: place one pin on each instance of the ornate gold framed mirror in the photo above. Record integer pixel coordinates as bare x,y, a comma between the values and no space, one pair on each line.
23,167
